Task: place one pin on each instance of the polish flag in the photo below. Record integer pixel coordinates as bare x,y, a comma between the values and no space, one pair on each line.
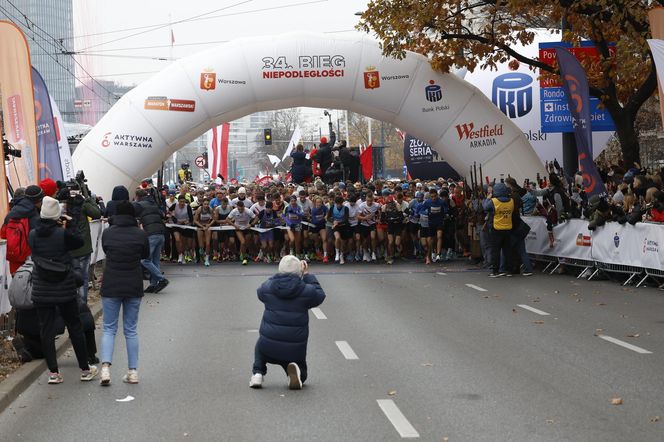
217,148
366,161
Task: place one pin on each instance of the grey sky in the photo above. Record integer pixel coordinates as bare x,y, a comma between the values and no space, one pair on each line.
120,61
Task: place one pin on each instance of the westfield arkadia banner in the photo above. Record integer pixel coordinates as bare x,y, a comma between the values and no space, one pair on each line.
18,107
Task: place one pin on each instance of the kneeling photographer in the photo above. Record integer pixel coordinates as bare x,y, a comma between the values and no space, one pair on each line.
80,206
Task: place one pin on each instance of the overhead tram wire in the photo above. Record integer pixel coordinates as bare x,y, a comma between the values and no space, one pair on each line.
58,45
136,28
166,25
9,14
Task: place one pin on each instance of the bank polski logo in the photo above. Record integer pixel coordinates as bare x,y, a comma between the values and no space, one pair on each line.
433,92
512,93
616,240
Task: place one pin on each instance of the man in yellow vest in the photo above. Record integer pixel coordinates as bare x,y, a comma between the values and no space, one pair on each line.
500,207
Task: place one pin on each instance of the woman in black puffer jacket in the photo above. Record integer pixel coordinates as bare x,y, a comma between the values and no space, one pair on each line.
54,285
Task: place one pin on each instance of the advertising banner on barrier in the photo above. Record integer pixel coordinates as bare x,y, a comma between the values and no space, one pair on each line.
637,245
537,241
572,239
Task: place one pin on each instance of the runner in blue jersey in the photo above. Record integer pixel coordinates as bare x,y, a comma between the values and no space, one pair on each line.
317,216
338,214
293,216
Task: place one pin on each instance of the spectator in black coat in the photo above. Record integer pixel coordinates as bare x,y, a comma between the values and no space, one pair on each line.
284,330
299,167
125,245
324,155
54,285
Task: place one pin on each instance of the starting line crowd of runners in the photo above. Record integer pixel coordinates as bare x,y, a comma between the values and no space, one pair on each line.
340,223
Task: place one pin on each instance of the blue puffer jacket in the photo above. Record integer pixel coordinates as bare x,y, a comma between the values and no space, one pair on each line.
285,326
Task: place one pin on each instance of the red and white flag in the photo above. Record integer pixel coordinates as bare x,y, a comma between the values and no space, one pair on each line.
366,161
217,147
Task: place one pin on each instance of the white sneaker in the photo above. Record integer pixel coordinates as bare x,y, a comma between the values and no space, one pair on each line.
90,374
256,381
336,257
105,376
181,258
341,259
207,261
294,381
367,258
131,377
373,256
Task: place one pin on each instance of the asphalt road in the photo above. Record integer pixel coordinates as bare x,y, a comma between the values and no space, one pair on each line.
448,352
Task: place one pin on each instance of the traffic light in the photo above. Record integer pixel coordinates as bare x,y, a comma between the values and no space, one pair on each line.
267,135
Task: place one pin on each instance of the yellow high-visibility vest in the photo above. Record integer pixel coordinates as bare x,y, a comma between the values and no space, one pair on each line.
502,216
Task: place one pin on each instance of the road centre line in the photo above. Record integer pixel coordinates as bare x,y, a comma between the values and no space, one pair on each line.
318,313
534,310
397,419
478,288
626,345
346,350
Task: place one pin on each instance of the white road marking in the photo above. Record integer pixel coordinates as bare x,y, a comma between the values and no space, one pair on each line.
441,273
397,419
346,350
627,345
534,310
318,313
478,288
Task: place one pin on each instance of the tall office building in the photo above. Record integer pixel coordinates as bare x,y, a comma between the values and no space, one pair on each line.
49,28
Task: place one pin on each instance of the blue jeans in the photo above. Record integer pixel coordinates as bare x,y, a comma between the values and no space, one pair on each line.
152,263
82,267
130,308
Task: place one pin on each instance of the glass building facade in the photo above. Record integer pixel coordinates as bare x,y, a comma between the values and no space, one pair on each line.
49,28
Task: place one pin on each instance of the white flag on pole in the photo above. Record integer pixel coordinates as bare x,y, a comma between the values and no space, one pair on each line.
273,159
297,135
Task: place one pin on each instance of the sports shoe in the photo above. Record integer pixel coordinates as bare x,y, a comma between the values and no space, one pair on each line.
341,259
350,257
256,381
180,258
55,378
161,285
150,289
244,261
390,261
336,257
131,377
326,259
527,274
366,257
105,376
89,374
358,257
495,275
436,258
373,256
207,261
294,382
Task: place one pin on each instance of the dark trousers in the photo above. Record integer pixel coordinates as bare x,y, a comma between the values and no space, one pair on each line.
500,242
261,361
70,314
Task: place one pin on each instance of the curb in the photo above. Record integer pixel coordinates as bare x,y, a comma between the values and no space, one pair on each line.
17,382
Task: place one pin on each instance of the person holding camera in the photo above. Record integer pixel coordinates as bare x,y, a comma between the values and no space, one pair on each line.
54,287
284,330
80,207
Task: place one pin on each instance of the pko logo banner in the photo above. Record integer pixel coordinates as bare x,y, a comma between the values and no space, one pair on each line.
512,93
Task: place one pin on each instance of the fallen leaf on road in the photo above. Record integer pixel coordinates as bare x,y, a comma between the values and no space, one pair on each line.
635,335
536,300
486,297
514,311
600,304
578,300
428,364
186,434
392,393
549,421
616,401
556,291
655,419
538,322
445,439
126,399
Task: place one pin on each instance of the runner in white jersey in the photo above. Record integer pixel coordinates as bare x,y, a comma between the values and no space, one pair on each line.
256,209
354,222
242,219
368,216
305,204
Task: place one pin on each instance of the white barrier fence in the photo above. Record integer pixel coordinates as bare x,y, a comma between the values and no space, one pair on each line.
624,245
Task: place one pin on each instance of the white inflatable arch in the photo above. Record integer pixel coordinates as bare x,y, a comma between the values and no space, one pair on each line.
238,78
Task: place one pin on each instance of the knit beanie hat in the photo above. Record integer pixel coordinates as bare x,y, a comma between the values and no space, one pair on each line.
290,264
34,193
48,186
50,208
